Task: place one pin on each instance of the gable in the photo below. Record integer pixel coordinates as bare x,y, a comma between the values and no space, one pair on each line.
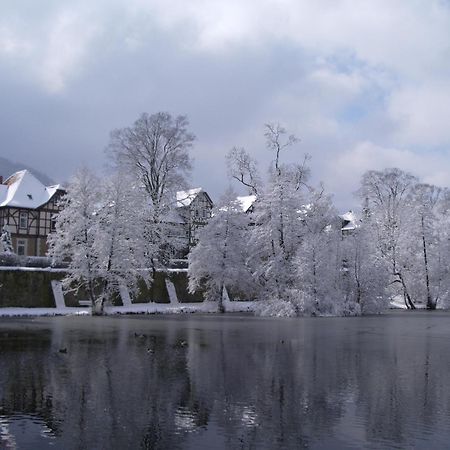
24,190
185,198
202,199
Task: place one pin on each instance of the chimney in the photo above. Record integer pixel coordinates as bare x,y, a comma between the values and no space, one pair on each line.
1,179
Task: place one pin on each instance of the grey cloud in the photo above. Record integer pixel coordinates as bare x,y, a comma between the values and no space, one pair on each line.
331,86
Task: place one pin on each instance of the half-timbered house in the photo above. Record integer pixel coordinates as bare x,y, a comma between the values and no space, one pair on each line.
28,209
195,208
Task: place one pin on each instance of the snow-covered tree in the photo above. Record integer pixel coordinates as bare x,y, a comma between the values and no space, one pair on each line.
155,149
426,257
277,233
5,241
294,245
364,275
387,196
408,221
441,249
278,222
318,261
75,234
119,244
220,258
99,235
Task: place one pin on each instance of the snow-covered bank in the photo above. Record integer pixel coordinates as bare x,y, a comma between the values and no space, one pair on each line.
399,303
139,308
32,269
39,312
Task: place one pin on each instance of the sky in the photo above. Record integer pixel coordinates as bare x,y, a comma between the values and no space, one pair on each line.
363,84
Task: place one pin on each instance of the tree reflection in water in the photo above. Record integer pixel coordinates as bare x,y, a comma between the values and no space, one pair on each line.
225,382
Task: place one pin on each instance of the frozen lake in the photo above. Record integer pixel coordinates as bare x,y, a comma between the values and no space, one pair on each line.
230,382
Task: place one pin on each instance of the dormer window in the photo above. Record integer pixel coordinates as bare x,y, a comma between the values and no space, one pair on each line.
23,220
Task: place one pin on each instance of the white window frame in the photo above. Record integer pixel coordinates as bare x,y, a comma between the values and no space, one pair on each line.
23,216
22,244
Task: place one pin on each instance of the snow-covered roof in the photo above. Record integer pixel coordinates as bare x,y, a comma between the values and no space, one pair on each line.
351,221
246,202
185,198
24,190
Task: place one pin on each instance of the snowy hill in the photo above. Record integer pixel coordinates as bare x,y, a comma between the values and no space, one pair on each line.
7,168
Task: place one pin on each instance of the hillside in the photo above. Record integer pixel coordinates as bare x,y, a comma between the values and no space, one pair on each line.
8,167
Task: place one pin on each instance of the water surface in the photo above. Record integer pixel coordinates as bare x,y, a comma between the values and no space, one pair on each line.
225,382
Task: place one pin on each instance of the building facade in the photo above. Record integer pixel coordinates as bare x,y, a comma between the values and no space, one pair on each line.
195,209
28,209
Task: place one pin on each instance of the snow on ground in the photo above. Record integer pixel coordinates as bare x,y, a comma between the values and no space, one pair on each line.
398,303
15,312
137,308
31,269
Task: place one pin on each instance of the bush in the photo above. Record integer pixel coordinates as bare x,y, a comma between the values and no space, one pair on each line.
9,259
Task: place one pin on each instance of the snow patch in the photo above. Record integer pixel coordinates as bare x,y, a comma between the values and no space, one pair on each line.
58,294
172,292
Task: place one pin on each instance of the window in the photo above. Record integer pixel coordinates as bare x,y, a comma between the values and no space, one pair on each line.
23,220
21,247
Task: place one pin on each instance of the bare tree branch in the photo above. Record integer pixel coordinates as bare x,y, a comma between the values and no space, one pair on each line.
243,168
156,148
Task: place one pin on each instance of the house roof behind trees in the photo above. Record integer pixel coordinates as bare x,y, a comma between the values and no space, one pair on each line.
246,202
23,190
349,221
185,198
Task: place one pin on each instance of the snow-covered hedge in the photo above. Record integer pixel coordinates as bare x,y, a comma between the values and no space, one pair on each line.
9,259
13,260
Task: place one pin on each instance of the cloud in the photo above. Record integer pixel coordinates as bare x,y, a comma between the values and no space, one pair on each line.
65,49
347,168
401,36
421,114
363,84
51,51
10,44
404,38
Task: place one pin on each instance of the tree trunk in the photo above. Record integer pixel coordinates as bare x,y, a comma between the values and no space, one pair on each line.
98,306
220,306
430,303
408,302
316,301
358,284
